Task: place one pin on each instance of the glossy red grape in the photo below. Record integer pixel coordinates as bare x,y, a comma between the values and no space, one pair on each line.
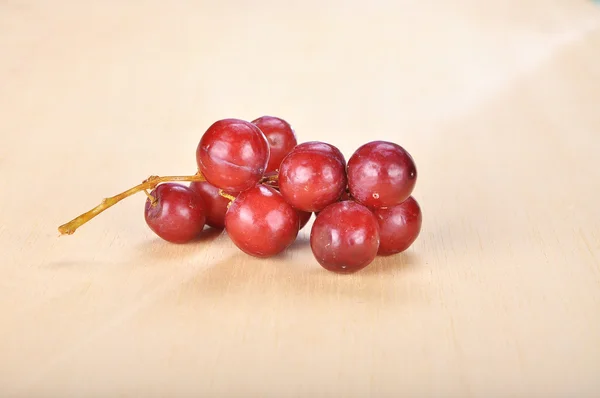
261,223
303,217
216,205
281,137
177,214
399,226
381,174
233,155
345,237
311,179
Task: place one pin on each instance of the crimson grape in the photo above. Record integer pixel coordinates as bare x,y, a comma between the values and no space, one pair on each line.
345,237
312,178
176,213
216,205
399,226
233,155
260,222
281,137
381,174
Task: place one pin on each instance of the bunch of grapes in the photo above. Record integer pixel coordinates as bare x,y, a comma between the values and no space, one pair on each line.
258,184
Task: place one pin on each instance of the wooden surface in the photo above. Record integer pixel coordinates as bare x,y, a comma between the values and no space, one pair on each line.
498,103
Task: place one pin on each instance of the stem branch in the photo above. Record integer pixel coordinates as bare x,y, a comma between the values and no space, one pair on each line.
70,227
227,196
271,180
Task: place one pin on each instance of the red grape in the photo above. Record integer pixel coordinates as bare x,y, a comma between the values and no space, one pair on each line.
177,213
260,222
345,237
303,217
381,174
310,179
216,205
281,137
233,155
399,226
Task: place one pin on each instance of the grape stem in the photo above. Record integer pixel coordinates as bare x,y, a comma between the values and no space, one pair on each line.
272,180
150,183
151,198
226,195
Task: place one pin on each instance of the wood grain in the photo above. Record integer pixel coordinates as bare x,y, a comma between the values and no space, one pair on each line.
498,103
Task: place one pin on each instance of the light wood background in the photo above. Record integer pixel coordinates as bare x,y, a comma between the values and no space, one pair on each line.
499,103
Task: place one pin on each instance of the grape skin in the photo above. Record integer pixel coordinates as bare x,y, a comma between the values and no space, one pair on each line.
281,138
311,178
399,226
381,174
175,213
233,155
216,205
345,237
261,223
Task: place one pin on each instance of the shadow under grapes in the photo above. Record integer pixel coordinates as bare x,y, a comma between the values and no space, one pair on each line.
159,248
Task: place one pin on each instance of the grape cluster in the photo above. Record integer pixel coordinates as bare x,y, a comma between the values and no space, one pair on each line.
259,184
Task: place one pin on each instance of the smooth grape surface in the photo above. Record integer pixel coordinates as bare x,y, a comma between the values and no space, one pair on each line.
381,174
319,146
281,137
178,215
216,205
261,223
399,226
311,179
345,237
233,155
